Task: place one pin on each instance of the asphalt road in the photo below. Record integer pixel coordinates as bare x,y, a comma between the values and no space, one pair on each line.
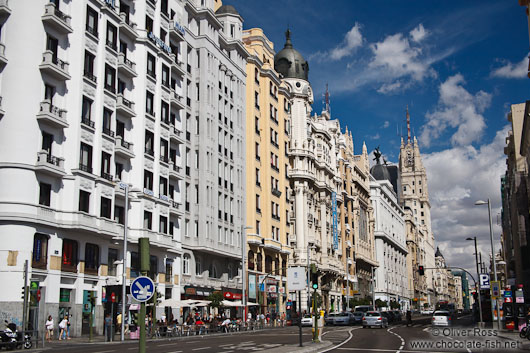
398,338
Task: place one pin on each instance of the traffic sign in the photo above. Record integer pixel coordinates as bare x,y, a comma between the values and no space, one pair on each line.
296,278
507,293
142,289
484,281
495,289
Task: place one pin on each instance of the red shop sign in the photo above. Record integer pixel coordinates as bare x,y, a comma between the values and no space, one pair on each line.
230,295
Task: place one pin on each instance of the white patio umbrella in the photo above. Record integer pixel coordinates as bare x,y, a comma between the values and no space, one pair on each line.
252,304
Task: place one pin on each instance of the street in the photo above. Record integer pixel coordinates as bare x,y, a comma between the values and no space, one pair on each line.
420,337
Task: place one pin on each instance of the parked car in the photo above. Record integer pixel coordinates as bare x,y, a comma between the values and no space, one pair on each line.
344,318
427,312
307,320
329,320
374,318
358,315
441,318
388,316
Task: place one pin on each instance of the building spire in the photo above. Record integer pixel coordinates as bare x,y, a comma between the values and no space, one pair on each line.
326,100
408,125
288,43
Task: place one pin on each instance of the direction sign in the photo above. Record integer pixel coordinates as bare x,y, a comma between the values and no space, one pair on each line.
484,281
142,289
495,289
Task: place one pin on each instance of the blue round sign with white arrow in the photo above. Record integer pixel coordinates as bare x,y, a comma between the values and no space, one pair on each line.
142,289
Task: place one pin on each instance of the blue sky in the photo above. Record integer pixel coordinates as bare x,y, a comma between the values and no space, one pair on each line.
458,65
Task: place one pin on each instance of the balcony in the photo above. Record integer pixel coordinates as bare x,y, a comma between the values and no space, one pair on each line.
174,207
176,100
175,134
126,66
52,115
123,148
3,57
128,27
107,176
175,171
49,164
54,18
53,66
177,66
125,107
176,31
276,192
5,11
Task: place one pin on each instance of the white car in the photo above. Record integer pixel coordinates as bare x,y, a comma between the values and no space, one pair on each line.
427,312
307,320
441,318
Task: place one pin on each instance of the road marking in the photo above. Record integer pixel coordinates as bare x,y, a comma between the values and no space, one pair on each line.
175,352
343,342
401,338
167,344
200,349
379,350
106,351
132,348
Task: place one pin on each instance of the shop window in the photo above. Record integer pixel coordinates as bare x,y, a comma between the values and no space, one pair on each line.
40,251
70,257
259,261
91,259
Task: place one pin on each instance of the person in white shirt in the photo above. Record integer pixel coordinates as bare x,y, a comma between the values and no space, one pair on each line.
63,327
49,328
225,325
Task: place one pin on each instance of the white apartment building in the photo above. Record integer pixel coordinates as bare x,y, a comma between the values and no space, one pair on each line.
97,92
391,283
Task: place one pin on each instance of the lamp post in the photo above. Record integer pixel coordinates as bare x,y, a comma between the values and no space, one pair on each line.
309,247
478,203
124,186
243,272
478,276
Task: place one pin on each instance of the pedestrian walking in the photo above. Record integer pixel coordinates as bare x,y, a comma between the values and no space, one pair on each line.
49,328
409,318
68,327
62,328
108,328
118,322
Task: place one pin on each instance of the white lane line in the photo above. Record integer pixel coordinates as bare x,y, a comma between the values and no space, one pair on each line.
343,342
175,352
132,348
200,349
398,336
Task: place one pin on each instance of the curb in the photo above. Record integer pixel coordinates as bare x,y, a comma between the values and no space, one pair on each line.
309,348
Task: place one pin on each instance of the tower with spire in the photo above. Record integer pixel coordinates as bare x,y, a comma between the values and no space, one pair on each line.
414,197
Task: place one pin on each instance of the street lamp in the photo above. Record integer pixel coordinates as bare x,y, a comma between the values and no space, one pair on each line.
478,203
478,276
243,274
309,248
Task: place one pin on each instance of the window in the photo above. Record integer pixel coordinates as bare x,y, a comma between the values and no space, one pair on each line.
151,65
84,201
49,93
44,194
148,180
163,7
258,227
148,24
153,265
164,110
119,214
91,258
148,220
85,163
69,260
186,264
256,125
92,21
258,182
107,119
89,66
163,186
165,75
86,111
111,36
40,251
119,170
110,78
149,143
169,270
258,208
47,142
163,225
198,267
112,258
149,103
105,166
135,264
106,205
186,228
256,100
257,151
196,229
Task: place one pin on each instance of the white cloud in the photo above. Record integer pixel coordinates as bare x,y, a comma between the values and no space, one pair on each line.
399,63
457,108
509,70
457,177
375,137
352,40
419,33
386,124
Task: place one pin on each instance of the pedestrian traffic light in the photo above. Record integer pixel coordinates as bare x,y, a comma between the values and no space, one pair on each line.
24,293
314,280
92,298
421,270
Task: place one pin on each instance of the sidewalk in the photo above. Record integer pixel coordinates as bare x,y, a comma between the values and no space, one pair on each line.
514,336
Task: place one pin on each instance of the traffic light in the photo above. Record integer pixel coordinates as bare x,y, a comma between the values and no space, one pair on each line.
24,291
314,280
33,290
92,298
421,270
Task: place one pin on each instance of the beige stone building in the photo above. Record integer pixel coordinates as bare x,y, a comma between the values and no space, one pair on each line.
267,186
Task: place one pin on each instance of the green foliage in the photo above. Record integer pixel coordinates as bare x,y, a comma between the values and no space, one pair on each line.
216,298
395,305
360,301
381,303
425,305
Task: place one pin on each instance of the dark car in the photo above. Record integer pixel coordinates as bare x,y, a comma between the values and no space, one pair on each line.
397,315
358,315
344,318
329,319
388,315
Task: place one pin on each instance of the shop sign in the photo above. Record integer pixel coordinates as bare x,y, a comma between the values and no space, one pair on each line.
230,295
271,289
159,42
180,28
190,290
281,290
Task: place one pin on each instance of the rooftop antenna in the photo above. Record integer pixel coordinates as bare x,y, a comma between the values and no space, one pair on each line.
408,125
326,100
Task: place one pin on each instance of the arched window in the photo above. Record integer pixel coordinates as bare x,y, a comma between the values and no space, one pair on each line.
250,260
91,258
259,261
268,264
186,264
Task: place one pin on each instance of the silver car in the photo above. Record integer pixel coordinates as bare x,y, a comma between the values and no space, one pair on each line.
374,318
344,318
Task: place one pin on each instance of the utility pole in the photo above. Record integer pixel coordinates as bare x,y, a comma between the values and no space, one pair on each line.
25,305
124,268
373,288
143,243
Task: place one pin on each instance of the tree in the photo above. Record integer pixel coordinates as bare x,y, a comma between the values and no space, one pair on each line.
215,298
381,303
395,305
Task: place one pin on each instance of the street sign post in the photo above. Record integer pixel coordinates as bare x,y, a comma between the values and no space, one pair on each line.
142,288
296,278
484,281
495,289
